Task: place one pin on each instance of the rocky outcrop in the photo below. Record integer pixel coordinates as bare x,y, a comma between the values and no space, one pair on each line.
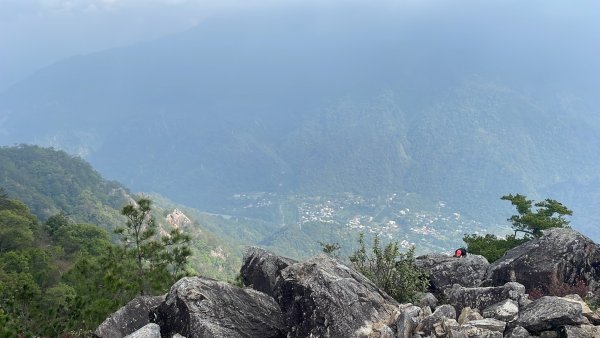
560,254
444,270
129,318
322,297
482,297
550,313
202,307
261,269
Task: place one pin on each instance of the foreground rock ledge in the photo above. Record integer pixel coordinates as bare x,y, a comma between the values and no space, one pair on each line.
202,307
129,318
562,254
321,297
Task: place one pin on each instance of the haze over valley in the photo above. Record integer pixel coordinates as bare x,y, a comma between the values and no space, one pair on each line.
306,122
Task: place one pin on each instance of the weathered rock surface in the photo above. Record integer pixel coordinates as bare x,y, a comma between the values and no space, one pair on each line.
549,313
478,332
407,321
518,332
583,331
428,299
467,314
202,307
490,324
507,310
130,318
564,254
261,269
482,297
322,297
444,270
429,324
149,331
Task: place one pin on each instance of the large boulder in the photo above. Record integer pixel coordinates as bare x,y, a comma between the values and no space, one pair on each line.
563,255
444,270
550,313
322,297
128,319
261,269
482,297
202,307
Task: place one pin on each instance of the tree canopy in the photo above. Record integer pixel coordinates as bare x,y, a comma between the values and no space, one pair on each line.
531,219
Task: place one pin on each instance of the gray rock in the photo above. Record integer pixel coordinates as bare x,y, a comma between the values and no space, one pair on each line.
128,319
428,299
585,309
518,332
583,331
444,270
562,253
594,317
322,297
429,324
149,331
482,297
261,269
407,321
488,324
449,327
455,334
507,310
477,332
549,313
467,314
549,334
202,307
451,324
386,332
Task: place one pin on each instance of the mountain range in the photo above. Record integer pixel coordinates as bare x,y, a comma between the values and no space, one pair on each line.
307,108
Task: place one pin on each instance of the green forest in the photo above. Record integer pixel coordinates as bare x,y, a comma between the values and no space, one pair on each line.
58,276
66,259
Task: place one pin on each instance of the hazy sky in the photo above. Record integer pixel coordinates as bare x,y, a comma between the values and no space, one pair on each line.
36,33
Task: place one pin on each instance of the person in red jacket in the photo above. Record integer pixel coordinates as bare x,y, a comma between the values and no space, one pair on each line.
460,252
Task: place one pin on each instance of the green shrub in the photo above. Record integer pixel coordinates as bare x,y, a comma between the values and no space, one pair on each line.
391,270
490,246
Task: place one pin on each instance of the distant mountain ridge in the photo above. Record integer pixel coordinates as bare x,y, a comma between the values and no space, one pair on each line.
215,111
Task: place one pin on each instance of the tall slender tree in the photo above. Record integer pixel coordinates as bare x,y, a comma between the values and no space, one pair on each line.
158,259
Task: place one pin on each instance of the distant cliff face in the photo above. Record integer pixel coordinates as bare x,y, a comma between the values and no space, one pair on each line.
323,297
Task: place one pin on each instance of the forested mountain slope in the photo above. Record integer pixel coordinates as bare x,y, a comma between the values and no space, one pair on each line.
54,183
306,107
